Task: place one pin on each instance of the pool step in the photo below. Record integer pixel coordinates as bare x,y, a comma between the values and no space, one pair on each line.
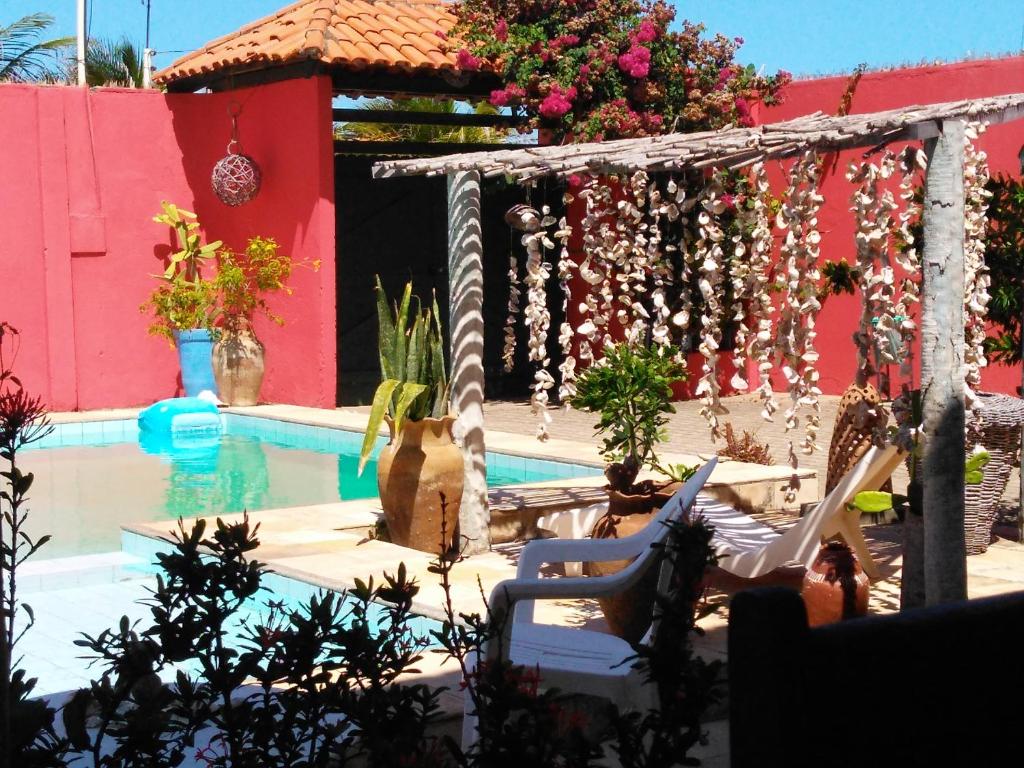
81,571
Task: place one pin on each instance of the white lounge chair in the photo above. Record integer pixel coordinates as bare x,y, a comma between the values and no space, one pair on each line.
749,549
577,660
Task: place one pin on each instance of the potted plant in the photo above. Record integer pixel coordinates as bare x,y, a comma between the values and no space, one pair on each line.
631,389
184,305
242,282
421,461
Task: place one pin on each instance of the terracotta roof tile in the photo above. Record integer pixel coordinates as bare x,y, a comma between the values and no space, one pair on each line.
398,35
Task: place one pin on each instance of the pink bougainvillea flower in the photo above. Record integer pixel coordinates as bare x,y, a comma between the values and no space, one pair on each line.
501,30
467,61
646,32
499,98
746,119
557,102
636,62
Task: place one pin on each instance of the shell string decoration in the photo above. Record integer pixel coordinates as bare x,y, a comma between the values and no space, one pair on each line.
587,330
908,259
762,308
508,351
661,271
632,263
873,208
236,178
976,276
567,368
798,277
742,280
709,257
538,318
681,209
598,267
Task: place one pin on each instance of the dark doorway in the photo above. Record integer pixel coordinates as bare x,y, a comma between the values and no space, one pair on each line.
398,229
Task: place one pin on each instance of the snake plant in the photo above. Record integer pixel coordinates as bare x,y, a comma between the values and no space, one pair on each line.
414,382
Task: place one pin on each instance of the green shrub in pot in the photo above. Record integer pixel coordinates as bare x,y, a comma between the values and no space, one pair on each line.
631,390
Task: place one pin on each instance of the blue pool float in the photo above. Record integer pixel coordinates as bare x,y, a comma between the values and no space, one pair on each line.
181,417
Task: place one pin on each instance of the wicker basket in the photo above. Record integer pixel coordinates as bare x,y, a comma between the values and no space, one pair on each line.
999,433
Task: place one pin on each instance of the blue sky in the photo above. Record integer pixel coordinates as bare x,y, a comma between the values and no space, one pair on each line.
804,36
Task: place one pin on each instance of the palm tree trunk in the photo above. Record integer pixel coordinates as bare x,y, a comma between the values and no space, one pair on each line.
942,375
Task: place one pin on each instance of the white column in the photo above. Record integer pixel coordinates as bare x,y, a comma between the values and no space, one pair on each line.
942,374
80,33
147,67
466,322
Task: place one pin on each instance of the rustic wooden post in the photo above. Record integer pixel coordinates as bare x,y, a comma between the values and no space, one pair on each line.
466,302
942,374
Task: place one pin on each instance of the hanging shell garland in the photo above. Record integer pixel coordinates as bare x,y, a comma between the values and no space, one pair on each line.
709,257
873,208
976,276
538,320
567,368
761,307
799,276
508,351
908,259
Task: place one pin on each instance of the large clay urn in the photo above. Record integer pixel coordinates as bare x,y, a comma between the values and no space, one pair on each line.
629,613
238,363
835,586
414,469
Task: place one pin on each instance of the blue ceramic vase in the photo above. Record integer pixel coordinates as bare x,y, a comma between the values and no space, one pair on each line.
195,355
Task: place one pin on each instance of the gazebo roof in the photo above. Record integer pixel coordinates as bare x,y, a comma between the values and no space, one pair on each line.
726,148
374,40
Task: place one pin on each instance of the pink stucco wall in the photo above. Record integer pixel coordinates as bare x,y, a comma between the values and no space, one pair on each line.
84,172
889,90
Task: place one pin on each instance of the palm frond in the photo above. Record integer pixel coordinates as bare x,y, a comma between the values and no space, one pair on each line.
113,63
24,57
356,131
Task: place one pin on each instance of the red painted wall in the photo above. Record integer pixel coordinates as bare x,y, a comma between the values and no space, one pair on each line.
85,171
888,90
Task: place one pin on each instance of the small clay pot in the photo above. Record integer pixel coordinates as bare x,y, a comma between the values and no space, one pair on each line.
835,587
629,613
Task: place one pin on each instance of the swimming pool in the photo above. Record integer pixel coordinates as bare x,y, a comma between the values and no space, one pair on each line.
51,656
94,477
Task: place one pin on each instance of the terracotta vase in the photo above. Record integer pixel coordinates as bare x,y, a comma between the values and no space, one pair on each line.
629,613
835,586
238,363
413,470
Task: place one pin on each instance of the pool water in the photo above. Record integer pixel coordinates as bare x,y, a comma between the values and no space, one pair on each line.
95,477
51,656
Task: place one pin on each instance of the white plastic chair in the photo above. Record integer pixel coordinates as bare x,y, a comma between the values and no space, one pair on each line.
571,659
749,549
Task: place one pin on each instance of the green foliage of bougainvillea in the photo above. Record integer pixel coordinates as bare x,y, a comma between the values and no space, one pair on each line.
605,69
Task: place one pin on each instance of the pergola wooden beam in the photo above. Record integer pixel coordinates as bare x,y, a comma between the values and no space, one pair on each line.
408,117
730,147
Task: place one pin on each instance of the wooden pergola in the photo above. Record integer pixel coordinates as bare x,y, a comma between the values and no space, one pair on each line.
940,126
